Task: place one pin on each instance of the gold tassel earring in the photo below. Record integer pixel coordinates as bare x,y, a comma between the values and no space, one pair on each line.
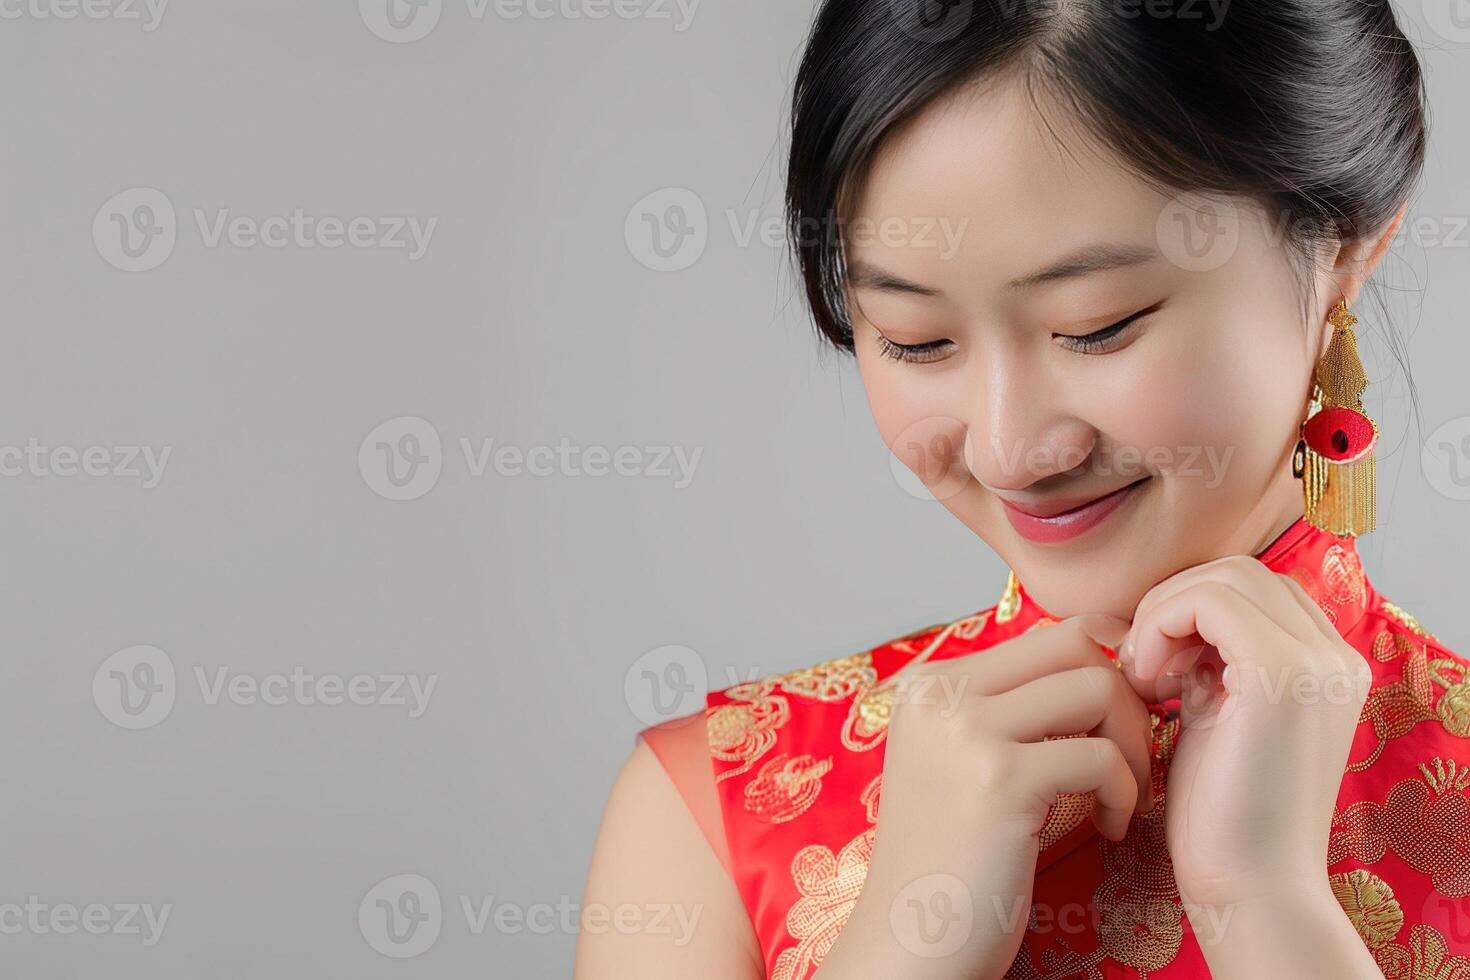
1334,454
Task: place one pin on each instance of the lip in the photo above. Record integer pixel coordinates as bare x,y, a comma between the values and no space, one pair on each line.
1070,523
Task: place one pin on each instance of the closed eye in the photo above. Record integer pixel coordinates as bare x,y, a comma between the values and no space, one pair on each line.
1098,341
934,350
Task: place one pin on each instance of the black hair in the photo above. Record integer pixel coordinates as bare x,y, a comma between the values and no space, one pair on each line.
1313,108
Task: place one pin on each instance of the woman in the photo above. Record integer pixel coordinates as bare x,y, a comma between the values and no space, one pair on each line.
1197,741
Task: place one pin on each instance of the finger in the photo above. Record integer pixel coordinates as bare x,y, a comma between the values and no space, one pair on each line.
1074,642
1091,700
1087,765
1248,576
1218,614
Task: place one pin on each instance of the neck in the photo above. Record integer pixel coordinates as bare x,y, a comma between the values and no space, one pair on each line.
1279,509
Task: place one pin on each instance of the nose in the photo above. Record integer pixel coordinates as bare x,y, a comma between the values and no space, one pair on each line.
1023,430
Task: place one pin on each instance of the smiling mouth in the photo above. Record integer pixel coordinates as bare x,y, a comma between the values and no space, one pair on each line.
1059,515
1075,520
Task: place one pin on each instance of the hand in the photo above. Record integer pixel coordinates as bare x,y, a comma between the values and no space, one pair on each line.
1263,742
967,781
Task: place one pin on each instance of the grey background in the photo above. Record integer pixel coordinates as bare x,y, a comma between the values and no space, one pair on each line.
529,320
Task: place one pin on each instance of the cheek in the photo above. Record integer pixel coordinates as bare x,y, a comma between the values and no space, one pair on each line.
912,416
1235,401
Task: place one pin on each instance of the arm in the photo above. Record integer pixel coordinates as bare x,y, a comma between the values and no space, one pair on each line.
651,856
1298,936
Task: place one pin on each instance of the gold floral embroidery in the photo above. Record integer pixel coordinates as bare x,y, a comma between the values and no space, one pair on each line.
1426,957
1453,707
1342,576
1425,822
866,726
785,788
1338,584
1010,600
833,680
745,729
1405,620
1389,645
1142,918
1369,903
1067,811
1395,708
829,886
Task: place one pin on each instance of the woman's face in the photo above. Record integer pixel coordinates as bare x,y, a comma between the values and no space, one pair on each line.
967,348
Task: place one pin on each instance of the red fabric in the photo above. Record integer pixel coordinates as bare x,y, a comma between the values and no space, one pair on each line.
797,761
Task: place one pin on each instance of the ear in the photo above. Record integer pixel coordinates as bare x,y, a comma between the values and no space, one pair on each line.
1355,262
1358,258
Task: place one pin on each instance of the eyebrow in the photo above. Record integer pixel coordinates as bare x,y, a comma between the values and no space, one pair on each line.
1082,262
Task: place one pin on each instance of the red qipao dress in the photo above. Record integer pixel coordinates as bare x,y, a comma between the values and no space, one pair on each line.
784,778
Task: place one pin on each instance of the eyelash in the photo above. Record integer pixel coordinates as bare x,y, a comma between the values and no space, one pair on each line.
927,353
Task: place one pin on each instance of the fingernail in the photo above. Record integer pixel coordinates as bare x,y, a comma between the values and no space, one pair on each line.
1179,665
1125,650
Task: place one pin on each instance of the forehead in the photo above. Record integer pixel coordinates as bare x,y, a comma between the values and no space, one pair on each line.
1029,182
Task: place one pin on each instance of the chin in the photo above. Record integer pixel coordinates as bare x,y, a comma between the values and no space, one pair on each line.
1065,594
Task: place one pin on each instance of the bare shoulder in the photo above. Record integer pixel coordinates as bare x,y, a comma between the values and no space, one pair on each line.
658,904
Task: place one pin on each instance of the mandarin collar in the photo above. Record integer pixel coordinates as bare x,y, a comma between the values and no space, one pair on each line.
1326,565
